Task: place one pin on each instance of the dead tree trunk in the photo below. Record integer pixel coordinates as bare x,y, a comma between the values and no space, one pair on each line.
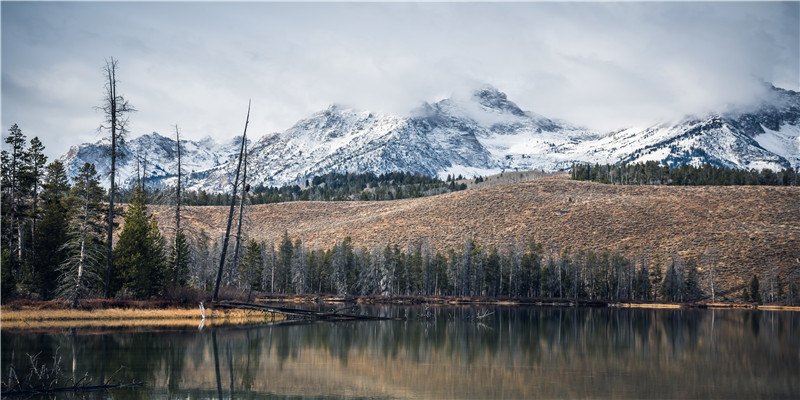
241,213
115,107
178,201
232,208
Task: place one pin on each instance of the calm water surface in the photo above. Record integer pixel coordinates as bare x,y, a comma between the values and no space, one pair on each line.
446,353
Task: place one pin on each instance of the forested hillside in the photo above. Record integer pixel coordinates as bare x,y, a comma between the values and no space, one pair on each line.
327,187
654,173
741,231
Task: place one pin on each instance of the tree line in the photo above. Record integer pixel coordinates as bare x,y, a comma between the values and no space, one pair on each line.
529,270
53,232
654,173
334,186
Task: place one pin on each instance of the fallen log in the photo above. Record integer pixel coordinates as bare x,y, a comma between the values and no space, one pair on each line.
300,313
64,389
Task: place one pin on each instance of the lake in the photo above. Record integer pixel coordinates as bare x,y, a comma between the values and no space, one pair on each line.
465,352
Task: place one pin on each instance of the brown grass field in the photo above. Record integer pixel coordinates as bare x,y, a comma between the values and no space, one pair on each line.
753,229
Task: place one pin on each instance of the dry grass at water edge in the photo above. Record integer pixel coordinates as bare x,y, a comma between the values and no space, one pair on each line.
121,317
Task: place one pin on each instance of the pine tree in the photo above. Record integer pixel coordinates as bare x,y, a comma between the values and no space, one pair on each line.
49,239
643,278
299,268
14,191
250,269
656,280
755,290
284,265
339,268
179,258
671,289
691,287
35,160
493,274
140,251
80,271
8,283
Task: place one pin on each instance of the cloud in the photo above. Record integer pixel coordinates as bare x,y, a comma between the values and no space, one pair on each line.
602,65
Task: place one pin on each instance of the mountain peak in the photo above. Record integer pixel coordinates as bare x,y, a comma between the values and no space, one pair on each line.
488,91
491,97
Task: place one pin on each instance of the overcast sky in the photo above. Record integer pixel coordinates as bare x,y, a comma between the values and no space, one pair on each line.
602,65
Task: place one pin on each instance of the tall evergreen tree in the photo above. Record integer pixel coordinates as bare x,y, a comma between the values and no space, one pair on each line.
48,245
8,283
643,291
691,289
250,269
299,268
178,261
755,290
656,280
14,192
81,271
36,161
671,289
284,264
140,251
179,251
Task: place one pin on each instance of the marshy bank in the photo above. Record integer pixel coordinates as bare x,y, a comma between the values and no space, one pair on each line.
121,314
100,313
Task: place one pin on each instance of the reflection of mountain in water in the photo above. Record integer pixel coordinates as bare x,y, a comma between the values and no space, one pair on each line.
455,353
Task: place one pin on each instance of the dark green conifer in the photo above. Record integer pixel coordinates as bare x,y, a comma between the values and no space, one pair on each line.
51,235
139,252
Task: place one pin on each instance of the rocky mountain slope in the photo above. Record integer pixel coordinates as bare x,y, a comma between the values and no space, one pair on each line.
480,135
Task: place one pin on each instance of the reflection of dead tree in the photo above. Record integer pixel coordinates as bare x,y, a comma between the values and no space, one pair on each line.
50,378
230,367
216,363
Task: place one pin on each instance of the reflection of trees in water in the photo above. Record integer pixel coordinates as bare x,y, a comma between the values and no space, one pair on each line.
734,341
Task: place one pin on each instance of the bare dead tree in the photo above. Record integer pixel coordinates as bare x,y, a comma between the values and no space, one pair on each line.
232,208
115,108
178,199
245,189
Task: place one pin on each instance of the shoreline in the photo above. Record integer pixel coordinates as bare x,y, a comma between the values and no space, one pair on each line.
175,317
501,301
97,313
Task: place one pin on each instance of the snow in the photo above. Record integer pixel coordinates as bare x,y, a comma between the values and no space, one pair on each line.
475,136
784,142
468,172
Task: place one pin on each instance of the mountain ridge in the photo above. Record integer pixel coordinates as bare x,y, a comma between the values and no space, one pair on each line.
483,134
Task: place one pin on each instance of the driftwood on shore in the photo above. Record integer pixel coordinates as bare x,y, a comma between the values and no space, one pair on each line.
66,389
299,313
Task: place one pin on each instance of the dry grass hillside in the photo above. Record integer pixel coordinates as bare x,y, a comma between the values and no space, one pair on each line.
753,229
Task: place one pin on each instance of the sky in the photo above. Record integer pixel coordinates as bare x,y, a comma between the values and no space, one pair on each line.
601,65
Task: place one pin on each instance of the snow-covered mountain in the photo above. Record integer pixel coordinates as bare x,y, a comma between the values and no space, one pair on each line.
153,156
765,135
482,134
